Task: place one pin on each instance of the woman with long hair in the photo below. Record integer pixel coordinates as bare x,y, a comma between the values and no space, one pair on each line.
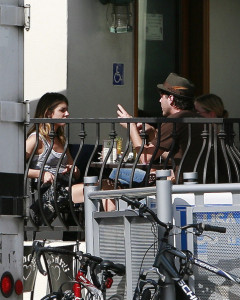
52,106
55,106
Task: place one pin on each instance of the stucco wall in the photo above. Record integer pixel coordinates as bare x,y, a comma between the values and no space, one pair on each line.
92,50
85,72
224,52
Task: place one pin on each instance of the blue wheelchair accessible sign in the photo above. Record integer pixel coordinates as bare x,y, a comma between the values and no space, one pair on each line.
118,74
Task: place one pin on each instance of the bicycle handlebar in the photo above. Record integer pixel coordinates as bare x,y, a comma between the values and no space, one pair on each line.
145,208
119,269
40,249
200,227
205,227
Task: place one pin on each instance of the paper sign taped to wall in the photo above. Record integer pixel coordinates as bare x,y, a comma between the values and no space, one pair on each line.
154,28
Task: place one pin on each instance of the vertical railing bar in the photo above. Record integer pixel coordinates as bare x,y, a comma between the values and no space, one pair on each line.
222,136
208,153
215,148
143,136
94,150
204,135
185,152
154,154
82,135
27,170
169,156
123,156
55,182
112,136
52,136
234,159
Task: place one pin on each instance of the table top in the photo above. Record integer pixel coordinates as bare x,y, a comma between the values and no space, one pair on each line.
98,164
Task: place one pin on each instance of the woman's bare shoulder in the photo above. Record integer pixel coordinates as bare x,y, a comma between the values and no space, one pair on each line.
31,141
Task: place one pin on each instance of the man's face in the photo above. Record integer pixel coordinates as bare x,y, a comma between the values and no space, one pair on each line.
165,102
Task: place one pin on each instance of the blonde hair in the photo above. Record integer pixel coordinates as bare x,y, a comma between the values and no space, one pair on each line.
211,102
47,103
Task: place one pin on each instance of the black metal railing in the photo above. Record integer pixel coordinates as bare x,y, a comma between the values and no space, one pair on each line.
210,147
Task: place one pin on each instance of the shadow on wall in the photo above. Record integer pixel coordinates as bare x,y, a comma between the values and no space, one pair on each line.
34,102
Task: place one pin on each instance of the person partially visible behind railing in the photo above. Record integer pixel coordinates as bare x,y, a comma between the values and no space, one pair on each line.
211,106
45,146
178,143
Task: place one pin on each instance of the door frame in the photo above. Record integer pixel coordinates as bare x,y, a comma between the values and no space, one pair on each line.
193,45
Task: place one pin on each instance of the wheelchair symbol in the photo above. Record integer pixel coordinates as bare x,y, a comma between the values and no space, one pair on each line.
118,74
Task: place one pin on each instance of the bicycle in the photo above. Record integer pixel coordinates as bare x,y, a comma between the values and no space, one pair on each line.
171,262
82,286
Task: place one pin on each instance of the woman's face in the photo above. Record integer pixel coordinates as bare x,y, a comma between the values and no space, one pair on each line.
60,112
203,112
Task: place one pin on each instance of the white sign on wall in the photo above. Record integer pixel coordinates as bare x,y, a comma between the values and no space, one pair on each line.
154,28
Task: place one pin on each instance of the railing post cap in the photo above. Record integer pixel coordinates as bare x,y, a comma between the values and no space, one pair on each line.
90,179
190,175
163,173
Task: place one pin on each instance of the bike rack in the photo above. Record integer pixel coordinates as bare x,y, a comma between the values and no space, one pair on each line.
124,228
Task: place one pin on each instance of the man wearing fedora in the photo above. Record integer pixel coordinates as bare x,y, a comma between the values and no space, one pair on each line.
176,100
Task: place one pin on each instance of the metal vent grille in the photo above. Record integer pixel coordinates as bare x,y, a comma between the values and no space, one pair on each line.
112,247
143,247
221,250
123,239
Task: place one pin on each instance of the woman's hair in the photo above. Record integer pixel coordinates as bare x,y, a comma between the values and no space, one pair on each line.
47,103
211,102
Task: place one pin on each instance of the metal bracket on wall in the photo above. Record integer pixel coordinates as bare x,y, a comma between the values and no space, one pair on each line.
14,112
15,16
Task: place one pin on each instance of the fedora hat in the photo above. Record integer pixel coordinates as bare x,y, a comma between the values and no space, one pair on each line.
177,86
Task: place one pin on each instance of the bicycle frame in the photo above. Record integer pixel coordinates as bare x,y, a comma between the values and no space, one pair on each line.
162,261
166,253
82,280
213,269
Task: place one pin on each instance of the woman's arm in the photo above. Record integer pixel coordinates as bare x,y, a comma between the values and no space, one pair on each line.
76,172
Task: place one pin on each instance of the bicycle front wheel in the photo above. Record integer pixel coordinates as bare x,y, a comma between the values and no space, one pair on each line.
116,297
59,296
90,296
52,296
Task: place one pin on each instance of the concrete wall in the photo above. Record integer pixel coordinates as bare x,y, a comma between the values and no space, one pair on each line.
69,49
83,68
92,50
224,52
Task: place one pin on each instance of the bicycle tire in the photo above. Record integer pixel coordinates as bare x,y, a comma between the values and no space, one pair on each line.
57,296
146,295
116,297
52,296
